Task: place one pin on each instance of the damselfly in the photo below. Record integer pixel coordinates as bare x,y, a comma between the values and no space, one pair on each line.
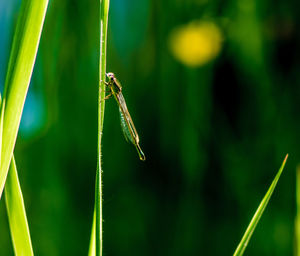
130,133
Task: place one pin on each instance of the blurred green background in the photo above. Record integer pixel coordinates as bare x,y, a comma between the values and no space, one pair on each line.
213,88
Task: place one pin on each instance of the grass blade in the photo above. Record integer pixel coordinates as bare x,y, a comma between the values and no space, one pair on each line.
96,232
16,213
22,58
250,229
1,124
92,248
297,222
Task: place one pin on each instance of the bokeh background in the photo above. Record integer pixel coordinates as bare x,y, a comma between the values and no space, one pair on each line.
213,88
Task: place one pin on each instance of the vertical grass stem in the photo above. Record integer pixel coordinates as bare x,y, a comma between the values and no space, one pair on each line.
104,7
297,223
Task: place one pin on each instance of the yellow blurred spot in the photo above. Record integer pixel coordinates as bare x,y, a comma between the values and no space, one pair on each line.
196,43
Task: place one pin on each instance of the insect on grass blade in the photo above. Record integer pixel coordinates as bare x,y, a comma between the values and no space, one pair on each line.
127,125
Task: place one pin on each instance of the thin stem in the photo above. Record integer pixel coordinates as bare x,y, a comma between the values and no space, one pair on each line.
298,211
104,6
260,210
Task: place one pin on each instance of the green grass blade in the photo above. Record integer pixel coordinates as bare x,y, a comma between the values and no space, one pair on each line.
96,233
92,248
104,7
16,213
250,229
297,222
1,124
15,205
22,58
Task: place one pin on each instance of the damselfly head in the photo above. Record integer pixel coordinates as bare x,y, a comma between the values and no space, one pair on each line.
110,75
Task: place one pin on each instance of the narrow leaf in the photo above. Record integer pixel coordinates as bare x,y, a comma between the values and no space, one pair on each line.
297,222
92,248
1,124
250,229
22,58
16,213
104,7
15,205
